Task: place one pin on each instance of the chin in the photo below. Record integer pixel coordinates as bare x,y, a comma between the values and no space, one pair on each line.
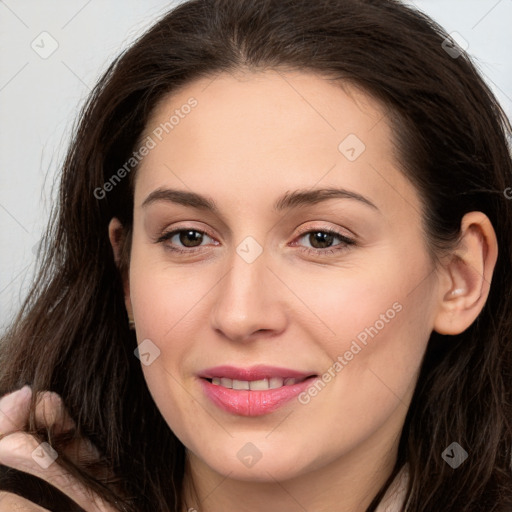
268,468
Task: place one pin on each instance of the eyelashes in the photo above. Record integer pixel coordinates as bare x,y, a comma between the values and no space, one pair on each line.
193,235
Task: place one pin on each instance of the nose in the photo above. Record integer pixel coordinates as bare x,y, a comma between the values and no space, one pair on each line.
249,301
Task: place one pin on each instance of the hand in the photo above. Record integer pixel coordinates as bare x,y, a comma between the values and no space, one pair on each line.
20,450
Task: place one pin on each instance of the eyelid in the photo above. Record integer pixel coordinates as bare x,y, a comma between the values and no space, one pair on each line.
337,231
186,226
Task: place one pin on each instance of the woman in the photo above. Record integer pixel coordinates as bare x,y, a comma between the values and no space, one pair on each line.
278,277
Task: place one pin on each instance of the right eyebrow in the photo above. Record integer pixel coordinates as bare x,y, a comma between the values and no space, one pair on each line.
182,197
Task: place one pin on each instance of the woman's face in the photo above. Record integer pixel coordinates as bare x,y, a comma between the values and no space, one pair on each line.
266,278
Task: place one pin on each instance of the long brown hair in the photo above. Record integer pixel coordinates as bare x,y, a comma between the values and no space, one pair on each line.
72,334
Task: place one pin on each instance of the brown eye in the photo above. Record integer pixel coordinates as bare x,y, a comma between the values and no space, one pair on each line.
183,239
189,238
320,239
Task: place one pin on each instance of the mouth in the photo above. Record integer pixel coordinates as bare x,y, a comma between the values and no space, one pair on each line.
254,391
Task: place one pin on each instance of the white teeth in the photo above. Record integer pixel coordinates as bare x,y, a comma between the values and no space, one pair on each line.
227,383
240,384
256,385
275,382
259,384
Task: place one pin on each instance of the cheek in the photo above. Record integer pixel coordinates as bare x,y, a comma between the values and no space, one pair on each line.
169,305
372,360
166,307
338,304
165,295
373,323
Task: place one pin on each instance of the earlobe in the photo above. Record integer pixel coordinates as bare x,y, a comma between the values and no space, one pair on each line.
468,275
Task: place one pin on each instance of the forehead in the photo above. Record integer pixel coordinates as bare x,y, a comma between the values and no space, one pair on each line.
270,130
270,106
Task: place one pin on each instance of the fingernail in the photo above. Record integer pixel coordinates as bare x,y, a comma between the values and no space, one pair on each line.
25,392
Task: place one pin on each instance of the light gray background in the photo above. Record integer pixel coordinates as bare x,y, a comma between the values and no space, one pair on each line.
39,97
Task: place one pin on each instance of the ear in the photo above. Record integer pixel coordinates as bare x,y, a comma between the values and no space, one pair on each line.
466,278
116,235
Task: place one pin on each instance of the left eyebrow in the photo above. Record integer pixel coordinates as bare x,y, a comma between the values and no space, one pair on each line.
307,197
287,201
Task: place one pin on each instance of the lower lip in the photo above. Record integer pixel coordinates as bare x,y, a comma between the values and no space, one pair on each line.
253,403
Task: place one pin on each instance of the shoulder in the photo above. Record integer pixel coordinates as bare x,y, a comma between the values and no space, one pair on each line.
14,503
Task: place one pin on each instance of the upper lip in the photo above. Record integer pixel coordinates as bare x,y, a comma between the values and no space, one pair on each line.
258,372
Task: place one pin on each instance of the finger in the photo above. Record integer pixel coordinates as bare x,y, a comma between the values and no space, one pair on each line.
50,411
22,452
82,450
14,503
14,408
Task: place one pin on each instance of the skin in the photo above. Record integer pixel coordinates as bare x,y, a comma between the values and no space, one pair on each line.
251,138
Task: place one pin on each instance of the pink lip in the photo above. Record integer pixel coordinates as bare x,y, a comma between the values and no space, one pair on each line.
248,402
